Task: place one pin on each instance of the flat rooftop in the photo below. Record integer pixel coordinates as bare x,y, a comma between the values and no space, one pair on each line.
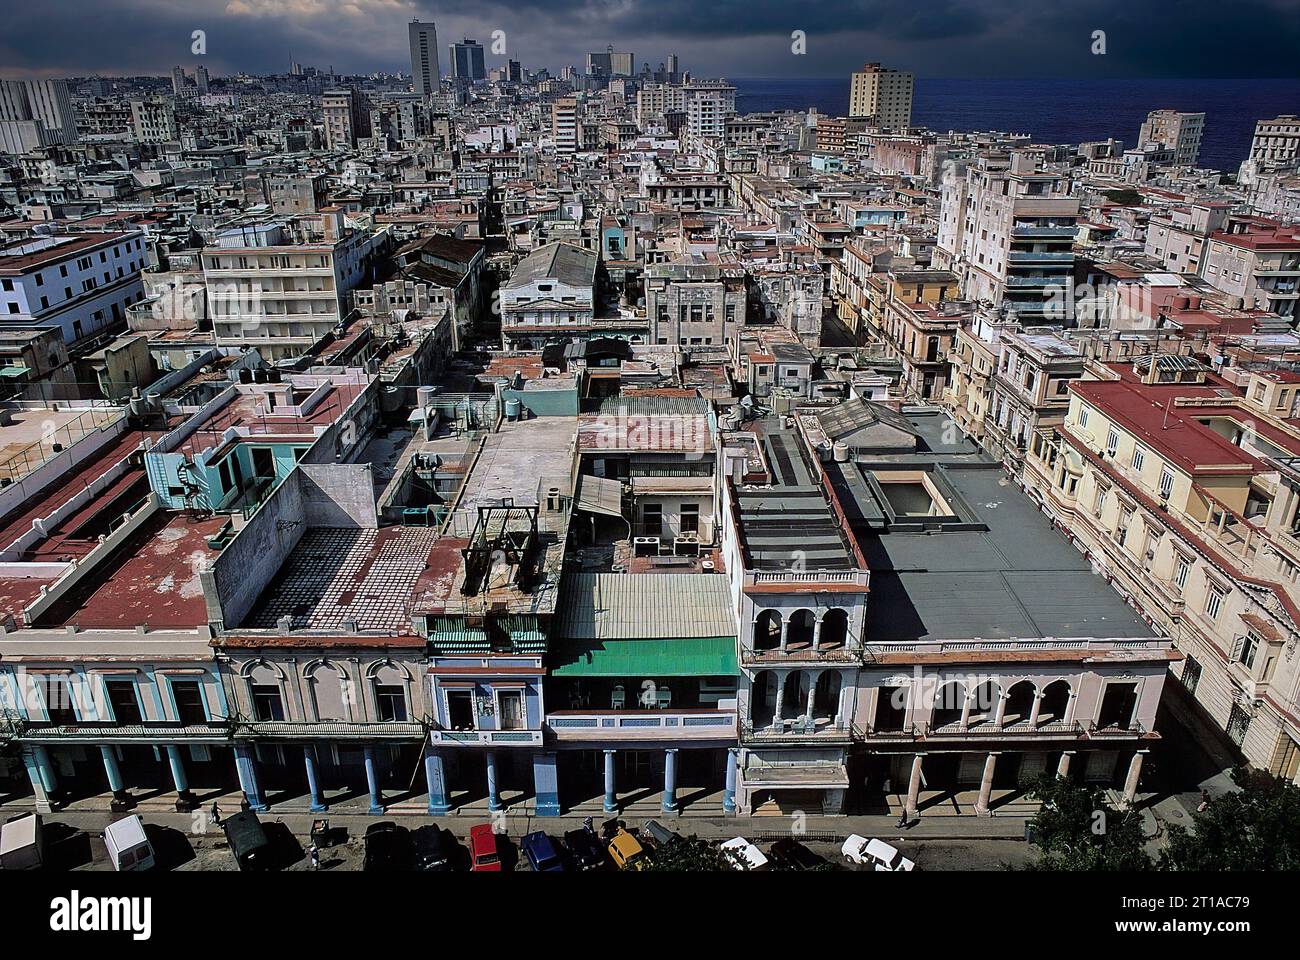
516,459
988,566
152,579
336,576
28,440
789,523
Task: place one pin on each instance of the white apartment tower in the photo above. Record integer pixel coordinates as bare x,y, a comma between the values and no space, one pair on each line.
883,96
1006,229
564,124
45,101
425,74
1180,132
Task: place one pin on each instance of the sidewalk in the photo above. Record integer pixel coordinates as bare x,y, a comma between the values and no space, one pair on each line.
299,821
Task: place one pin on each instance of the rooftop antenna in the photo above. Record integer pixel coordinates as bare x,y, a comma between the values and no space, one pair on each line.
1164,424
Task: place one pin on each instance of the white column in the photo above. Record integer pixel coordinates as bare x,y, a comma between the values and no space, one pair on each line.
913,789
780,699
817,632
785,631
812,692
1063,765
986,786
1134,774
1034,710
1000,711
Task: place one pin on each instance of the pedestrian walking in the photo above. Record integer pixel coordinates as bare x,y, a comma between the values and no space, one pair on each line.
314,853
214,815
1205,801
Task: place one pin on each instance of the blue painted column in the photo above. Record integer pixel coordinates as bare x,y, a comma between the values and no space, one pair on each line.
729,794
372,781
246,767
184,799
611,796
313,779
41,773
670,780
546,786
494,796
121,799
177,764
437,780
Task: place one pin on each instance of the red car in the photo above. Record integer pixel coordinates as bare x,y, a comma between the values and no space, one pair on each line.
483,851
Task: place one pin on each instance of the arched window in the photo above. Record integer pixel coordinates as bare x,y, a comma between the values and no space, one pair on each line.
949,702
329,691
1020,703
835,628
984,703
767,630
1056,702
799,631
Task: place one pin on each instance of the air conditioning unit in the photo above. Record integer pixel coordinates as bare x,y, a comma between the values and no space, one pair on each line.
687,545
645,546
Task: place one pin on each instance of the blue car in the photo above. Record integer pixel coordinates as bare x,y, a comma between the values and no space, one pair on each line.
542,853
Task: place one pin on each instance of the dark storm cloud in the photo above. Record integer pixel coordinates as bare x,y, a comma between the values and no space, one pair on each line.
1011,38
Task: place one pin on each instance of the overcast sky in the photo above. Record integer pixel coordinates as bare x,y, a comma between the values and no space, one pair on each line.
735,38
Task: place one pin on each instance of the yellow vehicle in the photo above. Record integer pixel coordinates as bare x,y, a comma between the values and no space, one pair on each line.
626,851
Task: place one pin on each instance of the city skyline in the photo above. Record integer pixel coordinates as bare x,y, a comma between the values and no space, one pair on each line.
993,38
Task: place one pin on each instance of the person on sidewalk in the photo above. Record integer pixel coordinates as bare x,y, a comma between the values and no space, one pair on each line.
314,853
215,814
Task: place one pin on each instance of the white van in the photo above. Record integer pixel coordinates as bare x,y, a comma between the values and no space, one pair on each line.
885,858
128,847
20,843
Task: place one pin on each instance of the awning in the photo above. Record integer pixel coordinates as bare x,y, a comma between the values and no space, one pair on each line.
13,371
598,495
693,657
452,635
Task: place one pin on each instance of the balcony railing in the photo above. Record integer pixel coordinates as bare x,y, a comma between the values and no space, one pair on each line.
699,724
839,653
990,729
1134,729
799,730
94,730
511,738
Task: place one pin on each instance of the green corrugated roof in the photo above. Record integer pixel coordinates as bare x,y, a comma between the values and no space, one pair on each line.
690,657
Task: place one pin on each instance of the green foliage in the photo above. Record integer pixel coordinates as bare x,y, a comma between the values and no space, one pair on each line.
1076,829
1125,198
688,855
1255,828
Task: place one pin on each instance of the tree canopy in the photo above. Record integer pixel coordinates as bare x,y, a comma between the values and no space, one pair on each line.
1256,827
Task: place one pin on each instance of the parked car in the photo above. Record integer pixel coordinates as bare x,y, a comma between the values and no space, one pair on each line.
626,852
21,846
744,855
128,847
388,848
433,848
658,833
248,842
585,849
542,853
484,851
881,855
793,855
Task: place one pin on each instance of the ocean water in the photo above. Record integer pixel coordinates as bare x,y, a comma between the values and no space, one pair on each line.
1059,111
